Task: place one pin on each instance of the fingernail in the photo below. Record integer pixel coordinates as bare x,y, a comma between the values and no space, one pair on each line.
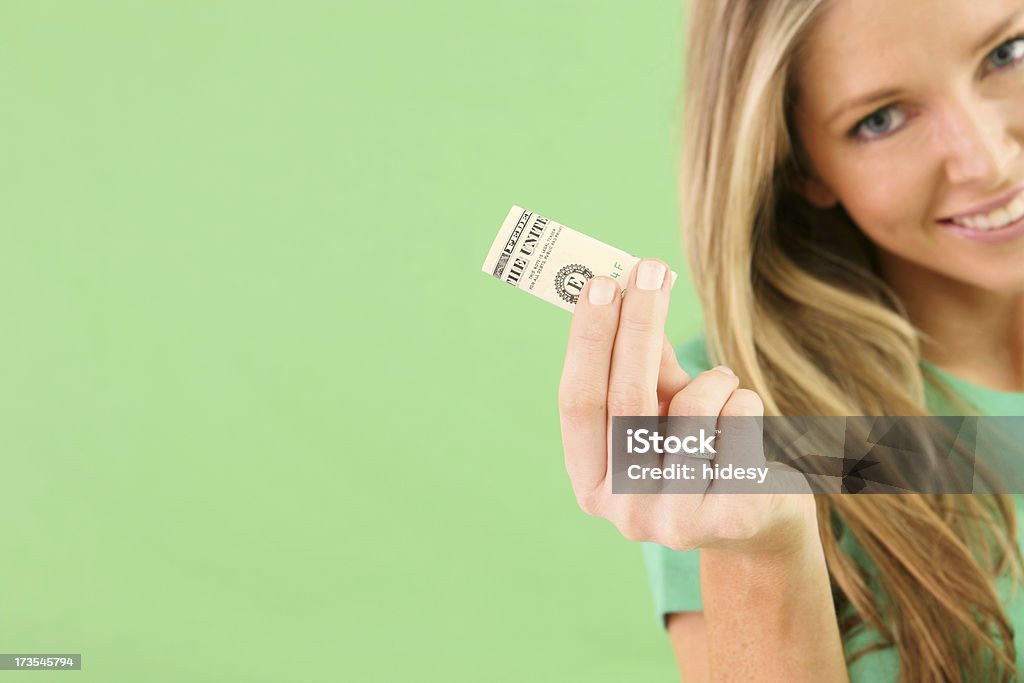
650,275
724,368
602,291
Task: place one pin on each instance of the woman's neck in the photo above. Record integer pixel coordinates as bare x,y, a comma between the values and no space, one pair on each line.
976,334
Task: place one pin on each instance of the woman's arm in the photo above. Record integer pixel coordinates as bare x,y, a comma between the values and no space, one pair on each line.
765,619
689,636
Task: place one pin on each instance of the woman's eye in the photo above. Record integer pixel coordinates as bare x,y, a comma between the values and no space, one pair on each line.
888,119
879,123
1007,54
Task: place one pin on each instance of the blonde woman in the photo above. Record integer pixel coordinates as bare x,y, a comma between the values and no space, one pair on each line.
852,193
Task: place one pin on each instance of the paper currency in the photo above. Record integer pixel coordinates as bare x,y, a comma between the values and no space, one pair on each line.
551,261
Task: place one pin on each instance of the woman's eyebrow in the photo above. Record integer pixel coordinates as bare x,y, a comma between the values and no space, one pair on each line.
996,30
885,93
863,100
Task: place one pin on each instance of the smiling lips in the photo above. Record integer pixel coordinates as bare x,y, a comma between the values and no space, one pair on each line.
994,219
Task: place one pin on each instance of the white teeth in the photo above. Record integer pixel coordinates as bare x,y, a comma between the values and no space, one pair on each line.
993,220
1016,208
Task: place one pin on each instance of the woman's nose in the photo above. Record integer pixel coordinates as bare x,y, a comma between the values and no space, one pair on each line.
980,143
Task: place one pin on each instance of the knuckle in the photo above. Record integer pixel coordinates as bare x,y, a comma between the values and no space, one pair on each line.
688,403
630,398
682,541
580,399
632,530
744,402
635,523
589,502
639,324
735,527
676,536
720,376
592,334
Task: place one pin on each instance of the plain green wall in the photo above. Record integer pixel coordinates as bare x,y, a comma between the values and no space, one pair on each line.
264,418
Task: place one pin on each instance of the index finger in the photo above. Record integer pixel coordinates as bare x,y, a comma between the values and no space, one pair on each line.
583,390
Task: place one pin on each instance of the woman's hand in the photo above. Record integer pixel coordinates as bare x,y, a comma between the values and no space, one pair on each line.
620,363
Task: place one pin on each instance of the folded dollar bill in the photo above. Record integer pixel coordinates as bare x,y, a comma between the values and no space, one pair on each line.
551,261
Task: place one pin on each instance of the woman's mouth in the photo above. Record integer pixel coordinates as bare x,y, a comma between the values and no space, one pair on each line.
998,225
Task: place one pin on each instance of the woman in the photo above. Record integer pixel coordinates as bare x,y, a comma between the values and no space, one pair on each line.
852,194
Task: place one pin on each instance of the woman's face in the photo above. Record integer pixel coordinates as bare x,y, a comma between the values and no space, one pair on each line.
912,114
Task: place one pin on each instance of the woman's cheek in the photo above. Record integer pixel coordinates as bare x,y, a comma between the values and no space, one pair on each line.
880,215
889,201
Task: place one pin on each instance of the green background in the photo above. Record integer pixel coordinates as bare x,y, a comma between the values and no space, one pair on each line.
263,416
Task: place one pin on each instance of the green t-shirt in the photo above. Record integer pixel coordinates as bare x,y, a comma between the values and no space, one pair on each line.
675,575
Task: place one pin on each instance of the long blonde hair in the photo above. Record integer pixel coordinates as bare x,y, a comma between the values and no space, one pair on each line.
794,302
